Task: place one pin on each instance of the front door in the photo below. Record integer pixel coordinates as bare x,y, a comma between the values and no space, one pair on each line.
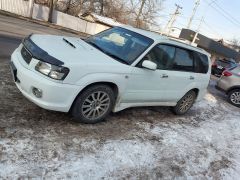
166,84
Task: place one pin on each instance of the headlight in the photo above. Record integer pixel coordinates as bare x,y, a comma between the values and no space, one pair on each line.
52,71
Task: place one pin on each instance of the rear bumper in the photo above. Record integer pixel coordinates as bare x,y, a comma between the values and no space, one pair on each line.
55,95
222,84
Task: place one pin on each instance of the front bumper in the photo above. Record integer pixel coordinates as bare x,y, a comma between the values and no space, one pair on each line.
56,96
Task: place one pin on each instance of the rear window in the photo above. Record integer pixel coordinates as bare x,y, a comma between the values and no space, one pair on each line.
223,63
236,70
201,63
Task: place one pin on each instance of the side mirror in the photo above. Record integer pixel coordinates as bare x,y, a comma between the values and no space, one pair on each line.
149,65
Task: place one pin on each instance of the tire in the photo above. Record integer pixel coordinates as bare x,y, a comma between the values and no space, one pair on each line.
94,104
181,107
234,97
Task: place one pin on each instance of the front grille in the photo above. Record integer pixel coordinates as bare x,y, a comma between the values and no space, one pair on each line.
26,55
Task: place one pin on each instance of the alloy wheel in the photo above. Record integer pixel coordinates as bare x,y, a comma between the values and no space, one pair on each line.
235,97
95,105
186,103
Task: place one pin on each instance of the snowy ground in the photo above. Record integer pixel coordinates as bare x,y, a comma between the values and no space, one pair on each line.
138,143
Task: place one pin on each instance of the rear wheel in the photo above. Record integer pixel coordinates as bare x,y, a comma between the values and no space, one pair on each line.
234,97
185,103
94,104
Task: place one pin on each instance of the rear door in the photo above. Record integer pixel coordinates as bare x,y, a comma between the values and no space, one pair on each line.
201,63
180,74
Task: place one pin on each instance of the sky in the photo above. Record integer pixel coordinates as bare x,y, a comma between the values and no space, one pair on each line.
222,21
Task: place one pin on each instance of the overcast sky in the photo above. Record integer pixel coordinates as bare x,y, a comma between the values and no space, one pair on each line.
220,21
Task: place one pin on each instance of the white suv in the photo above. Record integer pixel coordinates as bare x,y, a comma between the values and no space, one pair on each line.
116,69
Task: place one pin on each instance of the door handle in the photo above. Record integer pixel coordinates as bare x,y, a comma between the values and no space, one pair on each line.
164,76
191,78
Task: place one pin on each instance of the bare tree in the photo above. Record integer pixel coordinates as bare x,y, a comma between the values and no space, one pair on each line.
235,42
139,13
50,11
144,12
91,6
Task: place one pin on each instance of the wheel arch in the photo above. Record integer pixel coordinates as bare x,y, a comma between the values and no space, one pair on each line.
112,85
196,90
232,88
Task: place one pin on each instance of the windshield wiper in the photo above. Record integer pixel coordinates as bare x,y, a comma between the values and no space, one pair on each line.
116,57
95,45
108,53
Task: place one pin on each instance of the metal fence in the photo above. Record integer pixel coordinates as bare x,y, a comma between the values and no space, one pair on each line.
19,7
22,7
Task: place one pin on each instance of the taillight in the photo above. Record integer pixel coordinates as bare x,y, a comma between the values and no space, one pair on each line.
226,73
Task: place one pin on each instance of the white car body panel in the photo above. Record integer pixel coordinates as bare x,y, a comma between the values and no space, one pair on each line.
88,65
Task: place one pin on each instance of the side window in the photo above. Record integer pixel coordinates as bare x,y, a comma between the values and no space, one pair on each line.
201,63
162,55
183,60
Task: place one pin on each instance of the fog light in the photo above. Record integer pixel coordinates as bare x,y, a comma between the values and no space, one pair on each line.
37,92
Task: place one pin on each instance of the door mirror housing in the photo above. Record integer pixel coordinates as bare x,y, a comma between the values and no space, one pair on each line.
149,65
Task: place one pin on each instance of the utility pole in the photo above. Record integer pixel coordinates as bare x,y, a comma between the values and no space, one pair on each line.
197,32
172,19
30,8
197,3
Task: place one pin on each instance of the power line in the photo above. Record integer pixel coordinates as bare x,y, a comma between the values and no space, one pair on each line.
226,12
210,28
220,12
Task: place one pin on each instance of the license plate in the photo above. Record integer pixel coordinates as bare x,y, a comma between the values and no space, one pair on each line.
219,67
13,71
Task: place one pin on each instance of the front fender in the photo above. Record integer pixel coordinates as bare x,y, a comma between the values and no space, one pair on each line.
120,80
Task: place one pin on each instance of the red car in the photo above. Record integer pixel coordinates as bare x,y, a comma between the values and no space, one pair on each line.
221,65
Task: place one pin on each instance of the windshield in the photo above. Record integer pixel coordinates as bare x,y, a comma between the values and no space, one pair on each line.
121,44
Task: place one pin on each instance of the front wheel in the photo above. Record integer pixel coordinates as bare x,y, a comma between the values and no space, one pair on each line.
185,103
94,104
234,97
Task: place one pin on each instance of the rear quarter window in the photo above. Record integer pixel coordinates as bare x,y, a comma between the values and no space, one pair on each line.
236,70
201,63
223,63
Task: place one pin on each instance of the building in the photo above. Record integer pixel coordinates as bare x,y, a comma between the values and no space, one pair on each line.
215,48
102,23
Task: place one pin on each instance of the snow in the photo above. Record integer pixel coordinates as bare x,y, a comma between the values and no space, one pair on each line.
106,20
204,144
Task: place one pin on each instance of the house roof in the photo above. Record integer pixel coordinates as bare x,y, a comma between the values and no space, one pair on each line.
210,44
102,19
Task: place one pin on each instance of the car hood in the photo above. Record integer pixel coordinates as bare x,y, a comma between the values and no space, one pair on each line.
72,50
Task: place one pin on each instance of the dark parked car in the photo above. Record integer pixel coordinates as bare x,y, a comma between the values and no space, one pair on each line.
221,65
